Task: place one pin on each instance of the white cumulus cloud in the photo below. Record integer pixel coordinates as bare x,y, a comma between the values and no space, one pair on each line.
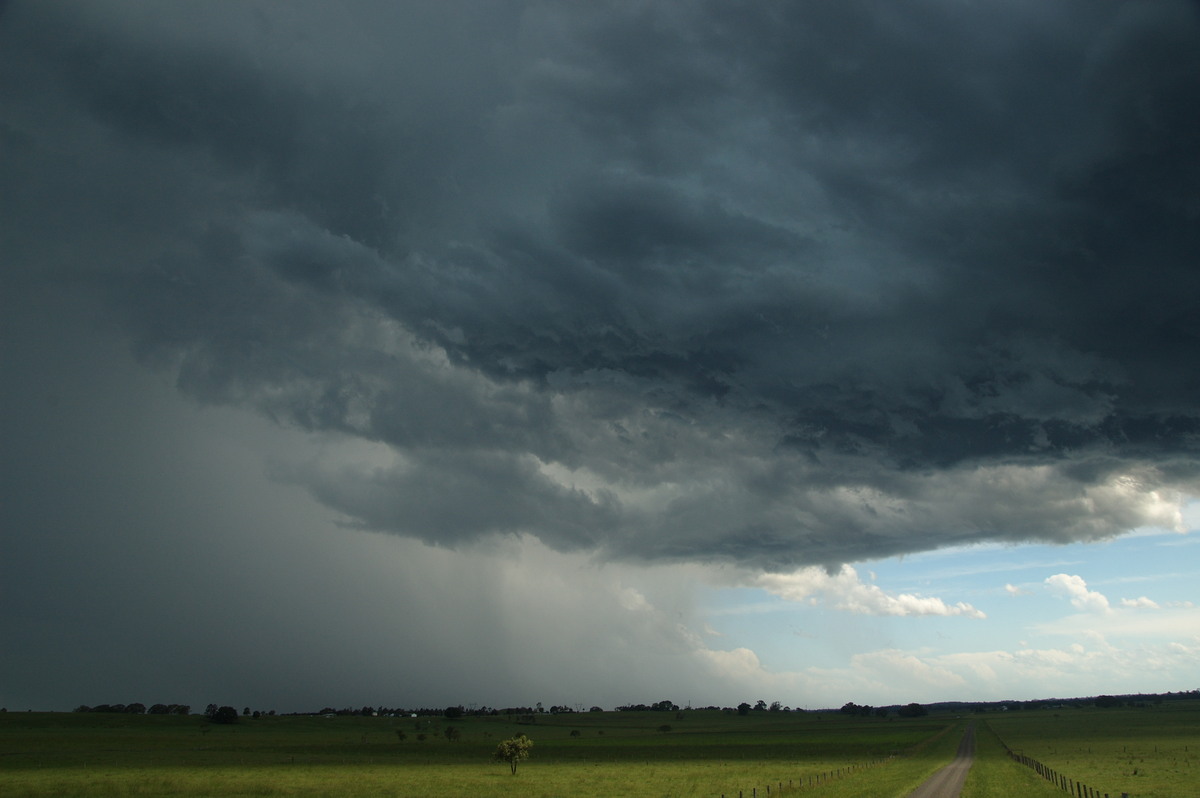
1075,588
844,590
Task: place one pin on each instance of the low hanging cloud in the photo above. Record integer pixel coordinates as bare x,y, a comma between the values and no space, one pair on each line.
988,674
769,286
844,590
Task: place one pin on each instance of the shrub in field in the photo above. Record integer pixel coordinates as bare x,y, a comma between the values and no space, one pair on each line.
513,750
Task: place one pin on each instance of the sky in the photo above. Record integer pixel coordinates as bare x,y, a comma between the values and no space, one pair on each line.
495,353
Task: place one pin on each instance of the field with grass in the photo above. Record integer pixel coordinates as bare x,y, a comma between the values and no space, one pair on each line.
592,754
1148,752
586,754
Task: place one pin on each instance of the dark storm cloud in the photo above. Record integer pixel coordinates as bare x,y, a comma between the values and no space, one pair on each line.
810,283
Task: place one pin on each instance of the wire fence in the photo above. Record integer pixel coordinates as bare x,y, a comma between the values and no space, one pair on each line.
807,782
1064,782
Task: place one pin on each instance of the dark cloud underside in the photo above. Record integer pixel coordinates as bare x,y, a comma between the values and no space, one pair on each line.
773,284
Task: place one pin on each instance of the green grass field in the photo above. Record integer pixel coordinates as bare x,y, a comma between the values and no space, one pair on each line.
587,754
613,754
1148,752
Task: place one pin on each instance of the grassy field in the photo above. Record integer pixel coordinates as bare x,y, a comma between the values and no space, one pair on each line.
587,754
995,775
1148,752
600,754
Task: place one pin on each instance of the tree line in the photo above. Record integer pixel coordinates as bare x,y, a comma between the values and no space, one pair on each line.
139,709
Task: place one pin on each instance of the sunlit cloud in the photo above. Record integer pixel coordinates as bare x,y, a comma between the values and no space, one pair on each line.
1074,588
844,590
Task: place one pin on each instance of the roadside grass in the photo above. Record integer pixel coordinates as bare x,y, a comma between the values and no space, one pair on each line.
1148,752
898,777
995,775
585,754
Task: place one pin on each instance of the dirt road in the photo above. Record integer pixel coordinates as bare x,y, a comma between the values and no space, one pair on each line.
948,782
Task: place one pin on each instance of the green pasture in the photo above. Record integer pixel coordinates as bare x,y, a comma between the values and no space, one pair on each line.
585,754
589,754
995,775
1148,752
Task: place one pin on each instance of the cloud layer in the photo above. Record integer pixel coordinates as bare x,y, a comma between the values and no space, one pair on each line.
686,282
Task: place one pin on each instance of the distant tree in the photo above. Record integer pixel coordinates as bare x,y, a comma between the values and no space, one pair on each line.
513,750
256,715
743,708
760,705
1107,701
913,710
453,712
776,706
452,734
225,715
181,709
882,712
210,710
597,709
158,709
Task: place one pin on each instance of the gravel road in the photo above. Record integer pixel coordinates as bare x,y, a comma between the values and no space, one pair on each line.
948,782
